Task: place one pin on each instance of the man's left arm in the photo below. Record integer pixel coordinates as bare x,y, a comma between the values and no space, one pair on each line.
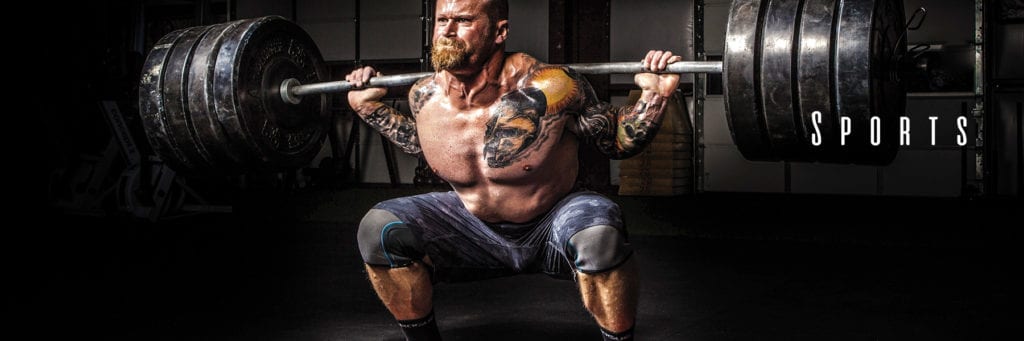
621,132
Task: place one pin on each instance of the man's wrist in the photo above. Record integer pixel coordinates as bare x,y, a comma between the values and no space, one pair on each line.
367,107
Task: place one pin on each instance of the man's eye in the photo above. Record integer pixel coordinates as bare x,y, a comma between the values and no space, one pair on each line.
462,20
442,20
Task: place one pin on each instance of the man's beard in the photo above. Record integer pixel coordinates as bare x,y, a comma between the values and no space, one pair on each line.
449,54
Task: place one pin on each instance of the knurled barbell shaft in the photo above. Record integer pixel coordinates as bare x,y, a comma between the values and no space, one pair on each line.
291,90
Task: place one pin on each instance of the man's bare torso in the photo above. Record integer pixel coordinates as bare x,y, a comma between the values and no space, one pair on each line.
510,159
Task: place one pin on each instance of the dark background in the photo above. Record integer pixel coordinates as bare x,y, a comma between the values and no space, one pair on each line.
283,264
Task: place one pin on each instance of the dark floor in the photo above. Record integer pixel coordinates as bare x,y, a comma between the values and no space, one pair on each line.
714,267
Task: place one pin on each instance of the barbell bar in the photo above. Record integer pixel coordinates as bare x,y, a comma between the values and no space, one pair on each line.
292,90
249,93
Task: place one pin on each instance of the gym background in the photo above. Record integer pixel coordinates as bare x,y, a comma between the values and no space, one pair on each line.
918,249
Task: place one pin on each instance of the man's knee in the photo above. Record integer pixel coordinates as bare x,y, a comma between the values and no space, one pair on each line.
384,240
598,249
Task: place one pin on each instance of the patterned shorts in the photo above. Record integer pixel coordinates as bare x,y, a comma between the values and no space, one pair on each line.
463,248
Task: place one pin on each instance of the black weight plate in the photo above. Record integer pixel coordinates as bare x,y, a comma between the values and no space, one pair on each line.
888,88
741,69
152,107
202,105
176,93
861,66
784,126
814,86
254,59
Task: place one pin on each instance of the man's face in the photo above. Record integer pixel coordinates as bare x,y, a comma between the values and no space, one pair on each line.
463,35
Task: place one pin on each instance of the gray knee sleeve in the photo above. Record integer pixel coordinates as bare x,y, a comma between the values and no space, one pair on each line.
384,240
598,249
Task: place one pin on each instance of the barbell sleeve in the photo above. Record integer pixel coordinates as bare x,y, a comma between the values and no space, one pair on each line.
291,90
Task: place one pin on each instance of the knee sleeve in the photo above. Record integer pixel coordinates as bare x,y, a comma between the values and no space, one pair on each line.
598,249
384,240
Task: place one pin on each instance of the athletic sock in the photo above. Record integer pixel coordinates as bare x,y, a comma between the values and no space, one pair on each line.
421,329
620,336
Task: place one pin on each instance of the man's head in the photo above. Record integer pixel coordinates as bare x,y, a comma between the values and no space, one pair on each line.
467,32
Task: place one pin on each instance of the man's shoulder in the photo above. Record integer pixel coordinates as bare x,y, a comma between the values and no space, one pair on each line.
520,59
421,92
558,83
425,81
518,67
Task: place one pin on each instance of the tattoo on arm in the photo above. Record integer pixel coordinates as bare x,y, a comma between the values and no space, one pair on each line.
422,91
399,128
620,132
391,123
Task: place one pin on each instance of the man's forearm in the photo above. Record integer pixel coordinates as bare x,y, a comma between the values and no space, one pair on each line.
639,124
396,127
621,132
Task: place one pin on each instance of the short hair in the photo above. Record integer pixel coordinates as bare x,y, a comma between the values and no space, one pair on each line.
497,9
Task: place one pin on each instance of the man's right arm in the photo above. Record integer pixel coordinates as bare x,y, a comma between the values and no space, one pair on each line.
395,126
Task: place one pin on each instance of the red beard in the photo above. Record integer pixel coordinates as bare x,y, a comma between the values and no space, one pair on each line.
449,54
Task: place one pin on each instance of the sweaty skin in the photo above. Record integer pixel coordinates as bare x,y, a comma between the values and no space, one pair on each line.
504,130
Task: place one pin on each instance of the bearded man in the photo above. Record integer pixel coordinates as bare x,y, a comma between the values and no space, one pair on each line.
504,131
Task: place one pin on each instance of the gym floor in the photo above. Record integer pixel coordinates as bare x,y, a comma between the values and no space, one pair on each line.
284,266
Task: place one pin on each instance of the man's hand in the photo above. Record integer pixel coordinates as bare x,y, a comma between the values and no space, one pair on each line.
358,99
663,84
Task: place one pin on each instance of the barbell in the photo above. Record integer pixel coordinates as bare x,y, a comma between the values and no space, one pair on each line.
250,93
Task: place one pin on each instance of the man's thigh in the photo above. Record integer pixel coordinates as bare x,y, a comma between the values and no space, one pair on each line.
460,246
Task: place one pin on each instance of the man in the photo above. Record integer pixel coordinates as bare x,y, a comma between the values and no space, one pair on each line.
504,131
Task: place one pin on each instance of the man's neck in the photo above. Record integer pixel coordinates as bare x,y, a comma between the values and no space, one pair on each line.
477,88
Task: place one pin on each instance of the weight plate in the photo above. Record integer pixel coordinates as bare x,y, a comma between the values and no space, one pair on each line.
784,126
740,68
255,57
863,64
814,86
152,107
175,90
202,105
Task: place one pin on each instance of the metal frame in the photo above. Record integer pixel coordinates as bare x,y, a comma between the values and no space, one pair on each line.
699,94
427,19
983,178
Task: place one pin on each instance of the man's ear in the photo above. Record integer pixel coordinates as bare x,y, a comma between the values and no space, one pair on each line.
502,31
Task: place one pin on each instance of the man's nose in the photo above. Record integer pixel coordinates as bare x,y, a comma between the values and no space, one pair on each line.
447,30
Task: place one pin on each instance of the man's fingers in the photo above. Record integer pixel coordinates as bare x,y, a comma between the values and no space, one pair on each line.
663,61
350,77
367,74
657,61
655,64
361,76
650,59
357,77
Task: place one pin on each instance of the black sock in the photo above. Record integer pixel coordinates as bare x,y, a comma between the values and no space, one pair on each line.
620,336
424,328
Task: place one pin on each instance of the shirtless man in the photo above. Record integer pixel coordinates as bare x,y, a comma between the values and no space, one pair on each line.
504,131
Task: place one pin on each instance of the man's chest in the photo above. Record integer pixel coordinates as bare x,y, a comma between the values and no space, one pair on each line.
519,125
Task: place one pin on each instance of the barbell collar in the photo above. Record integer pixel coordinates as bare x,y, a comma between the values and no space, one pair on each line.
292,91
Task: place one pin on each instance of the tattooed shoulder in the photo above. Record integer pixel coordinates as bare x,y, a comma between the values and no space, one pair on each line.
422,91
560,86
